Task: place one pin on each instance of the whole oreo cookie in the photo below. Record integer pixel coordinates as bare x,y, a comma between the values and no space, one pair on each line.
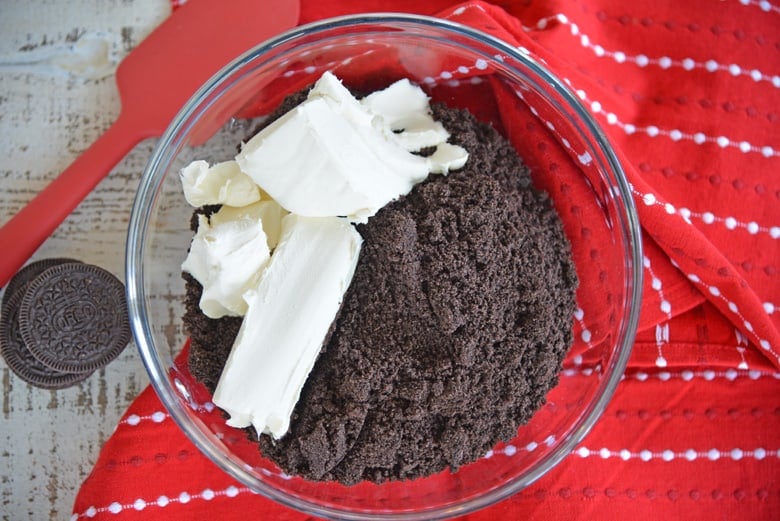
25,275
73,318
19,358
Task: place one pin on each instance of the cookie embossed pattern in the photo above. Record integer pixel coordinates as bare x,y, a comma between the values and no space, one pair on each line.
74,317
61,321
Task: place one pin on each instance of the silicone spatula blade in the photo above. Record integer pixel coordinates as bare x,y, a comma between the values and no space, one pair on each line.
154,82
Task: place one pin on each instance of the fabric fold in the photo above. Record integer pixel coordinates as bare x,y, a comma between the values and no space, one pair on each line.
688,95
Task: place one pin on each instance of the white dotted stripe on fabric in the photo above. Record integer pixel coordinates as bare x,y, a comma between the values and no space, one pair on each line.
447,76
159,416
311,69
663,62
162,501
735,454
135,419
644,455
511,450
661,330
707,374
542,23
764,5
577,361
730,223
661,340
738,33
653,131
686,375
580,370
585,334
584,158
732,306
742,343
460,10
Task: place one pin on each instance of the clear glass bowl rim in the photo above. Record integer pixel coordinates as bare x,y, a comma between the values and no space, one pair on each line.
152,178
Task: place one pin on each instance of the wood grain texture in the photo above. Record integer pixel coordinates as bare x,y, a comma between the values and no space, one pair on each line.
57,95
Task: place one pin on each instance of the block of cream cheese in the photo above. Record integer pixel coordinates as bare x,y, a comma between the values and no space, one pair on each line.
267,211
331,160
289,314
226,256
223,183
405,116
335,156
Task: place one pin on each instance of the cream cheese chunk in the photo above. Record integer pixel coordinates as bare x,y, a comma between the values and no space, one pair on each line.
447,157
405,116
281,251
267,211
289,314
223,183
226,258
333,155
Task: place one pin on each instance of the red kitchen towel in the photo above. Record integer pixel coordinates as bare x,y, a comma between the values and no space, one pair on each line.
689,94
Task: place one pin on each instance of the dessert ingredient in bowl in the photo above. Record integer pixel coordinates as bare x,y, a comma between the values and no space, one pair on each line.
335,156
223,183
327,158
452,332
450,335
228,253
288,316
267,211
226,257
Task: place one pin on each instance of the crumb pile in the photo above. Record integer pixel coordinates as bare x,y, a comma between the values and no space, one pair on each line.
450,335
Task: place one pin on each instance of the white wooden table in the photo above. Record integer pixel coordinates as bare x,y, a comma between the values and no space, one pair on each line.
57,95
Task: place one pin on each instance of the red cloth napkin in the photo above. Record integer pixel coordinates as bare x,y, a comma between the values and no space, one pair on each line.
689,93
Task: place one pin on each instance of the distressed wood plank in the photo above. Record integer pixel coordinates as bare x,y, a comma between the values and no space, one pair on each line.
57,95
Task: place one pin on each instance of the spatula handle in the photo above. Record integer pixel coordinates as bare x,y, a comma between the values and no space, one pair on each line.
26,231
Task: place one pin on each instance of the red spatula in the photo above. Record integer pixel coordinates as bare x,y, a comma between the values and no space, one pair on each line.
154,81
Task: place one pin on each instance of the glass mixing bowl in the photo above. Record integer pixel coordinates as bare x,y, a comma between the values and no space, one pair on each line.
446,59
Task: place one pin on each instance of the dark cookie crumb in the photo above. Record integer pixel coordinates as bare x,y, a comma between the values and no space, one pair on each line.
210,339
450,335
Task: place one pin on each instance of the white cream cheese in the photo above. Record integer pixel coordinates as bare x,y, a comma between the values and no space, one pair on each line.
331,160
405,116
289,314
226,258
335,156
223,183
267,211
